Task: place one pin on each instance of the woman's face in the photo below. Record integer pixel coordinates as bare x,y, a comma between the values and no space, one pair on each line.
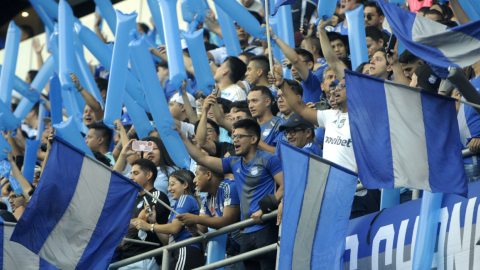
154,156
176,188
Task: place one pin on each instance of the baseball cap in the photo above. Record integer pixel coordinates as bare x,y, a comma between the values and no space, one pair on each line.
427,79
295,120
177,97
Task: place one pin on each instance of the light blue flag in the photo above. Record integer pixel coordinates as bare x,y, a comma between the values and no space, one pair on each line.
433,42
404,136
317,201
14,256
79,212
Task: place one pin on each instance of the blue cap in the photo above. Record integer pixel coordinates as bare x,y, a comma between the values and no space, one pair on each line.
295,120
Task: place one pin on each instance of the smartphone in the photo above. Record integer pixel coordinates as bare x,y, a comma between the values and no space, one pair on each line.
391,43
142,146
146,202
322,105
189,135
215,91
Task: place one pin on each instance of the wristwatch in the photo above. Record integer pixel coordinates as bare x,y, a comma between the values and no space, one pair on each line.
151,228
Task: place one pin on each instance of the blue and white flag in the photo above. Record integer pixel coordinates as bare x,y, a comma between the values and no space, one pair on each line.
15,256
281,3
317,201
433,42
403,136
79,212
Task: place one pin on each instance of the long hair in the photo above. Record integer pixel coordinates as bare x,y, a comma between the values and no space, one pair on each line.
183,175
165,159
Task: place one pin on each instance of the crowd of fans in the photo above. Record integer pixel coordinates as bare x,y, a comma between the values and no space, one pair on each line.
233,134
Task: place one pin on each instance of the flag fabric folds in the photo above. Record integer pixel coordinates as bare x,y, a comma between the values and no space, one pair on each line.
317,201
15,256
79,212
404,136
280,3
433,42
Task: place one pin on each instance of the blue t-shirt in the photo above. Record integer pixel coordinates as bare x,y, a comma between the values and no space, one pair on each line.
270,132
185,204
254,181
313,148
161,183
311,88
101,72
227,194
319,71
342,30
320,135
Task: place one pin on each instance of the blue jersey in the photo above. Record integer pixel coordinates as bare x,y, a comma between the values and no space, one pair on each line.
185,204
161,183
320,135
254,181
341,29
313,148
213,206
169,90
311,88
319,71
270,132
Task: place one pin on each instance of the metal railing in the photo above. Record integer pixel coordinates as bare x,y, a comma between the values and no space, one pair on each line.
194,240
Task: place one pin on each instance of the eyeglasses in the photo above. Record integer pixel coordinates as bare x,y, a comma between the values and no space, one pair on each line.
37,174
280,97
369,17
289,66
210,130
292,132
240,136
14,196
340,87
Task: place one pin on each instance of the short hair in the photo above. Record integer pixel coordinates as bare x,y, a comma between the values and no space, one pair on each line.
206,33
28,30
446,11
247,55
382,50
3,206
374,5
212,123
144,27
423,9
102,131
102,84
237,68
407,57
101,158
265,92
360,68
239,104
163,64
306,54
32,73
374,33
433,12
448,23
360,1
295,86
209,46
257,16
205,170
250,126
183,176
225,103
262,62
146,166
316,43
36,108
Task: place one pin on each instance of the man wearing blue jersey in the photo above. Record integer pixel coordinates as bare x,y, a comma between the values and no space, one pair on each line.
300,133
255,173
260,101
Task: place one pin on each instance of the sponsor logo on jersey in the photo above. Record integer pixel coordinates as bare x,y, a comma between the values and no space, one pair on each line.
338,141
266,131
342,123
254,170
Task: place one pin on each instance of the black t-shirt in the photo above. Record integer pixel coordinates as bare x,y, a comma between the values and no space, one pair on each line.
223,148
7,216
131,249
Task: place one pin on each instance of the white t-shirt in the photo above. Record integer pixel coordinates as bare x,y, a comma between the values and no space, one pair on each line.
256,6
187,127
234,93
220,54
337,144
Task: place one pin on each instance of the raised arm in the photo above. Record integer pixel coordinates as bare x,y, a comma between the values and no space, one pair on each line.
98,20
191,114
201,134
217,113
38,51
26,186
332,59
397,69
213,163
212,24
308,38
293,57
295,102
89,99
459,13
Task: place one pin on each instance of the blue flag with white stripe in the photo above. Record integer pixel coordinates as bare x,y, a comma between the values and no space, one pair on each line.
403,136
79,212
433,42
317,201
281,3
15,256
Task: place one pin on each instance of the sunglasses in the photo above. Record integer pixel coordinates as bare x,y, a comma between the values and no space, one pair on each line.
368,16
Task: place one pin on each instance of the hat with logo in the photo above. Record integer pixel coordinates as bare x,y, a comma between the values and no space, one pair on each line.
427,79
293,121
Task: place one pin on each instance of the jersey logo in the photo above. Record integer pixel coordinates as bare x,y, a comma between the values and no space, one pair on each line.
140,205
254,170
238,170
341,123
308,145
266,131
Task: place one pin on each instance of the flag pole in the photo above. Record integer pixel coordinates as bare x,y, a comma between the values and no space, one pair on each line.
169,208
270,51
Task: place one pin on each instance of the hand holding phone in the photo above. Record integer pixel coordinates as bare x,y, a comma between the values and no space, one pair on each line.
391,43
142,146
149,209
